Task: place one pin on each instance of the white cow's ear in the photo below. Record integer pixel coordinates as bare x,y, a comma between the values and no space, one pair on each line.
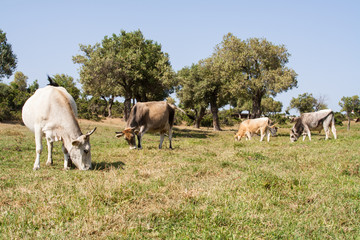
80,140
76,143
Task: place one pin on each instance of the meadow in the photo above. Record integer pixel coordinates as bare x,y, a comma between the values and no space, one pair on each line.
208,187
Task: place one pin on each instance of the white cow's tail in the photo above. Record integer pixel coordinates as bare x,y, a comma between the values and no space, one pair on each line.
333,129
52,82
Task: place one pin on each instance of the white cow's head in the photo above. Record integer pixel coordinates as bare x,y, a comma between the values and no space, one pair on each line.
129,135
293,136
80,153
296,130
295,133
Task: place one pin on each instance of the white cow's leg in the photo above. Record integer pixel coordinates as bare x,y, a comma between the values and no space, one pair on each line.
39,148
309,135
333,129
50,148
66,158
304,136
327,132
268,134
170,138
162,136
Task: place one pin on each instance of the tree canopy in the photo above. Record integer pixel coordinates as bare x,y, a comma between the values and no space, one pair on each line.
8,60
191,91
20,81
14,95
350,105
126,65
256,67
306,102
269,105
68,83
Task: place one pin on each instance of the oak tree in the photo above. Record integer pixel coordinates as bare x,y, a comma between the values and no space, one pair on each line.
256,67
350,105
191,92
126,65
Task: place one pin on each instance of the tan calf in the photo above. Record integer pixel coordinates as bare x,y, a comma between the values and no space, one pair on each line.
253,126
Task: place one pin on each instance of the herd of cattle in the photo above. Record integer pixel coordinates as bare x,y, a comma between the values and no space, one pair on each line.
52,112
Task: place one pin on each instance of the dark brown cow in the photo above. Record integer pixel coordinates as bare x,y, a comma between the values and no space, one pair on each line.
149,117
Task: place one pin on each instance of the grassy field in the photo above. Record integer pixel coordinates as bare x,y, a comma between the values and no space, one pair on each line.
208,187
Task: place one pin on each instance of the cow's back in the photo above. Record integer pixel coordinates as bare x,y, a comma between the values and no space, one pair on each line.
49,106
154,115
314,119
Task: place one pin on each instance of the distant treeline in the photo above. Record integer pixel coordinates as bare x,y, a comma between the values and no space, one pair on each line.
243,75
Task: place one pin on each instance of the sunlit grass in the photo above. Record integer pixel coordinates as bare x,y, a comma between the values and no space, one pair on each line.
208,187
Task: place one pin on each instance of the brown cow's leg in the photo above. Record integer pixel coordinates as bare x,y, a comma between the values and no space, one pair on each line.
139,140
162,136
170,137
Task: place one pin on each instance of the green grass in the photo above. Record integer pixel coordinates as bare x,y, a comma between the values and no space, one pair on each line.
208,187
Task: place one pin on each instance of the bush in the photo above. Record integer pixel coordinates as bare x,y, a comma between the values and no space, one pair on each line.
227,119
207,121
279,118
5,112
339,118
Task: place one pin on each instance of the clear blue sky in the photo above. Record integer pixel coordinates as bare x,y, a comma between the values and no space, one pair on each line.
323,37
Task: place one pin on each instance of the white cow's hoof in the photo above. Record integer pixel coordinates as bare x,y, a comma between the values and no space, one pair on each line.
49,163
67,168
36,168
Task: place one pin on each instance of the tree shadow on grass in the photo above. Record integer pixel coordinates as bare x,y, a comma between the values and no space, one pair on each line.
190,133
106,166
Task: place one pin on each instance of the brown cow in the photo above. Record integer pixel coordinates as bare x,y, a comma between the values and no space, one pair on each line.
149,117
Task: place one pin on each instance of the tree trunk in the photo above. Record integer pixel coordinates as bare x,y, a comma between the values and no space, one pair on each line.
256,107
214,111
111,102
348,125
127,107
107,104
199,117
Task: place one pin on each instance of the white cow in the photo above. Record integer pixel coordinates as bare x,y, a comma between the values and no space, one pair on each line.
323,119
52,112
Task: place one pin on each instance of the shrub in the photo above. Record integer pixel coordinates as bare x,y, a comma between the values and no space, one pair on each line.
339,118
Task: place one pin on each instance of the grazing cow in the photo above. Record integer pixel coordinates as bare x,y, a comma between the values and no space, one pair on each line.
313,121
251,126
52,112
149,117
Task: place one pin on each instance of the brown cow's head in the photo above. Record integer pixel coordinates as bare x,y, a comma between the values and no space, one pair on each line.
129,135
